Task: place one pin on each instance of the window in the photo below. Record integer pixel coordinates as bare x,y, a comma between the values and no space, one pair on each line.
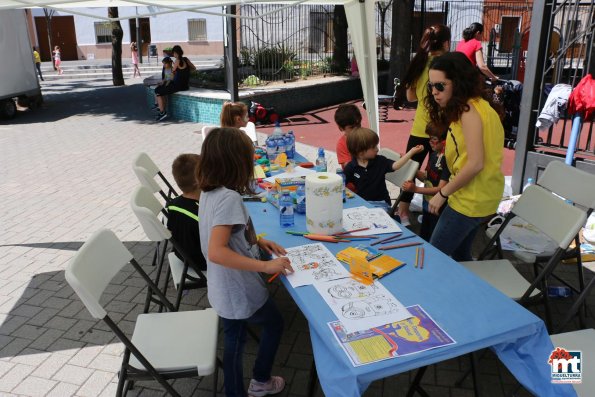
197,29
103,32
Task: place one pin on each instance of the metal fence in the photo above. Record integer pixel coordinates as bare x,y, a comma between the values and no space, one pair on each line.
297,42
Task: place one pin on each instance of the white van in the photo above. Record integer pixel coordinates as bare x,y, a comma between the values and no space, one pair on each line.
18,78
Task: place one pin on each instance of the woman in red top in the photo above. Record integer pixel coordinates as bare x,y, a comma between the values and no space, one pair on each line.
471,47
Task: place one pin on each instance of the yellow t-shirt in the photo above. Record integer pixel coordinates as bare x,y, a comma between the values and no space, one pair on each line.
37,57
480,197
422,117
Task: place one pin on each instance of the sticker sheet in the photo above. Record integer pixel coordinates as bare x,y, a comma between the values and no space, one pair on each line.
376,219
360,307
313,262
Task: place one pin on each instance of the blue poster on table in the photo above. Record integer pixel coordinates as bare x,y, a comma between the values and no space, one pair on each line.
413,335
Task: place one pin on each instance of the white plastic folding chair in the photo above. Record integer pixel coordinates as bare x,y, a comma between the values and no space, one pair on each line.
163,346
185,274
250,130
555,218
405,173
206,129
145,170
571,184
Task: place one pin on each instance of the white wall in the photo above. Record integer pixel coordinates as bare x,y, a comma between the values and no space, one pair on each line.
164,28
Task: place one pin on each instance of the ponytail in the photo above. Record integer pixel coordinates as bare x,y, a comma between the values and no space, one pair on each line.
230,111
432,40
470,31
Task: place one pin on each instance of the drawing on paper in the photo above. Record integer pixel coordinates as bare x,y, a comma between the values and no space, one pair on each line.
376,219
313,262
352,289
359,306
369,308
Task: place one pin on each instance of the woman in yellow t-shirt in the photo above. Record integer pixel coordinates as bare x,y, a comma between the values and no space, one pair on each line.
434,42
473,153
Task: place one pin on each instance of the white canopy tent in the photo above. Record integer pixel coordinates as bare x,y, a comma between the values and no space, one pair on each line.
360,18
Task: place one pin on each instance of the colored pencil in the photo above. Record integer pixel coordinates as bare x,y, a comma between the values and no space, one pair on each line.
390,247
352,236
416,256
273,277
351,231
388,239
326,239
423,254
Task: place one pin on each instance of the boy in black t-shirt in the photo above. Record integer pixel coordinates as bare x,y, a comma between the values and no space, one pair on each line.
182,218
367,169
435,177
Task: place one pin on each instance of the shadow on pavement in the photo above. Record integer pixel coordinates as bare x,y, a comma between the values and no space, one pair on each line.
88,97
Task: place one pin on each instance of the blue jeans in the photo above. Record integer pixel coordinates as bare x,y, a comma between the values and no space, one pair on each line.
269,317
454,234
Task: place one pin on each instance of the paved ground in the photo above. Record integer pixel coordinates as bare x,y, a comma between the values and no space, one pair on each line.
65,172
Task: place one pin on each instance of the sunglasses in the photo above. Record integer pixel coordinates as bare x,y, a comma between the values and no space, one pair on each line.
438,86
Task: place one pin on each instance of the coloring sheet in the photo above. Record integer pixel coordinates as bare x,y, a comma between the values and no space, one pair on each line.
313,262
376,219
360,307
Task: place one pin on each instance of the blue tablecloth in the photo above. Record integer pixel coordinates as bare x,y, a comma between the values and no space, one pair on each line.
472,312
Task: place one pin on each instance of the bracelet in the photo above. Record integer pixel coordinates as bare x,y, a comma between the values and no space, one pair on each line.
440,193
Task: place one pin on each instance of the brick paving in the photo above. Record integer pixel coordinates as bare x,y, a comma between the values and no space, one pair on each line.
66,172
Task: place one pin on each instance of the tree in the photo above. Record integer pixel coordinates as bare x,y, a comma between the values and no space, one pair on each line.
48,23
340,54
400,45
383,7
117,34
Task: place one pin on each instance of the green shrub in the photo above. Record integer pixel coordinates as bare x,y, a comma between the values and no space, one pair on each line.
251,80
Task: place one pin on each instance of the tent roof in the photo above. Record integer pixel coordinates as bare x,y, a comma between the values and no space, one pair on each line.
360,18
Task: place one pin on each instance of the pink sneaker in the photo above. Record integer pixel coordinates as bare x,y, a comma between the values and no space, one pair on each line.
259,389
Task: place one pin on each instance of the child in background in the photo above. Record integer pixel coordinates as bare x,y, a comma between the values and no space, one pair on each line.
182,218
167,76
234,114
347,118
235,288
134,55
37,59
368,169
58,59
435,177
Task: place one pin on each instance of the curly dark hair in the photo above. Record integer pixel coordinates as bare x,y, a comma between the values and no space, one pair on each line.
466,83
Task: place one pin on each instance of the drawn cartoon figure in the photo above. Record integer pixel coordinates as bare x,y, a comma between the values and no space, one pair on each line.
368,308
352,289
324,273
308,266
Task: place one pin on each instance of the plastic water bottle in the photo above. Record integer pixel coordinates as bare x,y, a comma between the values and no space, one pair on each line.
271,144
290,145
530,182
321,161
279,138
342,174
286,209
300,198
